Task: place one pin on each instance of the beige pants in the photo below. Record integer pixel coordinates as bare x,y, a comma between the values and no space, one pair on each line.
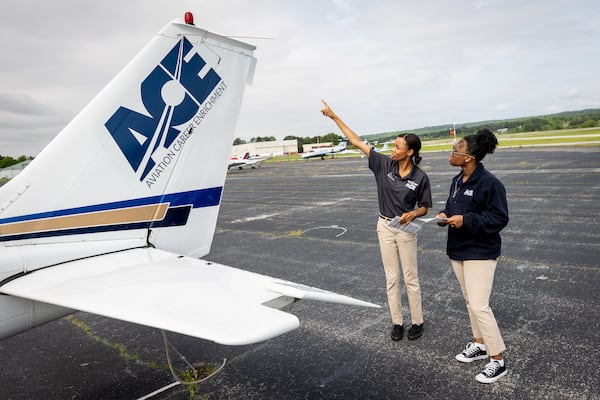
394,243
476,278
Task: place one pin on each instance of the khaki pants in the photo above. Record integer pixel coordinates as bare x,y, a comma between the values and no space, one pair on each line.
395,244
476,278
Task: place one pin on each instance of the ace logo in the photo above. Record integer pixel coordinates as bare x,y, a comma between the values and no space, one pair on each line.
171,94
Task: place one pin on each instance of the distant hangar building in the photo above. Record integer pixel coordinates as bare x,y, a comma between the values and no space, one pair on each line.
274,148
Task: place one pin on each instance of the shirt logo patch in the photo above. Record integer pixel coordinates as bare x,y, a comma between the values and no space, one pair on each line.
469,192
412,185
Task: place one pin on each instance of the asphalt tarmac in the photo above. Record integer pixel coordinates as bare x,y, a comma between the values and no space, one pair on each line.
313,222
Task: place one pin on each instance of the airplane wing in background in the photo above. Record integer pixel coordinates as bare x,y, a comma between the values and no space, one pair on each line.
180,294
246,161
236,163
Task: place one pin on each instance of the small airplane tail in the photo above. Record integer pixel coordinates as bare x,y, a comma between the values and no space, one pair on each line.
146,159
113,214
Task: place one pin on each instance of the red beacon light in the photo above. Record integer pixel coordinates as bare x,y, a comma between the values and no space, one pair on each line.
189,18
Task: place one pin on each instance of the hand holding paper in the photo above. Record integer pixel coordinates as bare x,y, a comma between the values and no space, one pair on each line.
428,220
414,226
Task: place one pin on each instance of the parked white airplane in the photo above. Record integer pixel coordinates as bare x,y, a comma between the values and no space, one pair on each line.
246,161
111,216
384,147
325,151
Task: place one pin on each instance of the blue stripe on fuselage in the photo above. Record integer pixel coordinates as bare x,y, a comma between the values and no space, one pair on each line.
195,198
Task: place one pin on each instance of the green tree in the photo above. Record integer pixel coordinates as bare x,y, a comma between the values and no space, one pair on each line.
263,139
590,123
8,161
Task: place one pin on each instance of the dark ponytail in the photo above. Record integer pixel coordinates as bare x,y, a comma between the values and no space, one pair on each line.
413,142
482,143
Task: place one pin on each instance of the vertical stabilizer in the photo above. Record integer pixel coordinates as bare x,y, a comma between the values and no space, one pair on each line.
146,159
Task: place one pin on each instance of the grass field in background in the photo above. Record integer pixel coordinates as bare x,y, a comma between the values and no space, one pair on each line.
575,137
571,137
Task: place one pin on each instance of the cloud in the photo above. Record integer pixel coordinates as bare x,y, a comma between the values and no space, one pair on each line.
26,124
383,66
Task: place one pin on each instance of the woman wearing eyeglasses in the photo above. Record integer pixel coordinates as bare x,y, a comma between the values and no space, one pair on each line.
476,211
403,190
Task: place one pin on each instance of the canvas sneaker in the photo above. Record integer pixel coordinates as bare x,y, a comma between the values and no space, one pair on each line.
472,353
492,372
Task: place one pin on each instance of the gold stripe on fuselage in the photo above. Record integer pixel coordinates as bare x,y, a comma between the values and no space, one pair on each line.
154,212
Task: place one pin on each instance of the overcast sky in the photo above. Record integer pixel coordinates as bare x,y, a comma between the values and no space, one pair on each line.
383,65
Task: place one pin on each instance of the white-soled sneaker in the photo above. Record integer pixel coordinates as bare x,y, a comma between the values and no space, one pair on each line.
472,353
492,372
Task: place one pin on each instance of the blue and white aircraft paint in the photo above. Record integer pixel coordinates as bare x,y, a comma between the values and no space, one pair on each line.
112,216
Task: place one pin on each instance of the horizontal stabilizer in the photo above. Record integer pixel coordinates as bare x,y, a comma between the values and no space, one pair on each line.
311,293
180,294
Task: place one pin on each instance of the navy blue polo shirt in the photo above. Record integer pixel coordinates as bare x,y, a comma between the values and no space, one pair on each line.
397,195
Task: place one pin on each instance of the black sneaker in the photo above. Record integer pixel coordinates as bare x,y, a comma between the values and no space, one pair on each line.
472,353
492,372
415,332
397,332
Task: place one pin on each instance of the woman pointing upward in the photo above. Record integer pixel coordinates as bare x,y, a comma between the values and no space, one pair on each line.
403,190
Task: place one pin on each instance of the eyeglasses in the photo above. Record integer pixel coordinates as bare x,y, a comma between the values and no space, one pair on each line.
453,152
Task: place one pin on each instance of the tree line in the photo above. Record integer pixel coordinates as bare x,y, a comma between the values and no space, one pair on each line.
588,118
8,161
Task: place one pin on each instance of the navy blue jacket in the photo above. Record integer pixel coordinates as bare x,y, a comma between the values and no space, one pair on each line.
481,200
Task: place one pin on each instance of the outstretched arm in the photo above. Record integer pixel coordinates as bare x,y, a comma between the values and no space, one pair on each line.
349,133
